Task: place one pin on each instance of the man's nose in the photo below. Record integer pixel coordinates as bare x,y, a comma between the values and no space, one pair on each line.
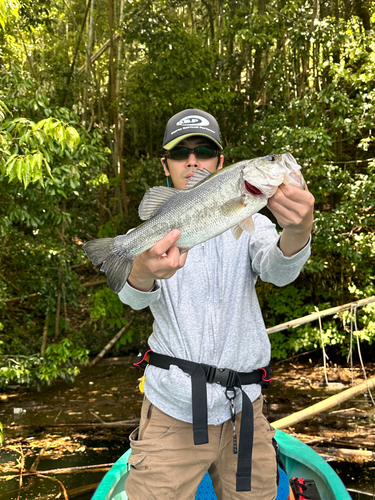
192,160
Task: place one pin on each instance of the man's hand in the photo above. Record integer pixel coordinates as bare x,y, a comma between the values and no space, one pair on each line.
159,262
293,209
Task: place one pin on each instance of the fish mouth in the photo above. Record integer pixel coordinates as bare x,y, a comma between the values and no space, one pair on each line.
250,188
294,170
288,161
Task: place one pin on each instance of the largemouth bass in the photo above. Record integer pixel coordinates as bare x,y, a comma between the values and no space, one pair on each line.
210,204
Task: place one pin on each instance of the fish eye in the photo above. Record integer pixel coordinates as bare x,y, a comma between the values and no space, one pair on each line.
270,158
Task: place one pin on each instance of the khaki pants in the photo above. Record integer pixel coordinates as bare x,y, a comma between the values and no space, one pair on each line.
166,464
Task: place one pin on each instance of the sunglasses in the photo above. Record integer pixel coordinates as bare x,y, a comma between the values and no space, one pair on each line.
201,152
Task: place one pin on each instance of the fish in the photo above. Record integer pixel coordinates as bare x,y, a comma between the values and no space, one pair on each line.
210,204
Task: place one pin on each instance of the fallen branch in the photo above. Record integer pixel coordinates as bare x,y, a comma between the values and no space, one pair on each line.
32,295
94,283
330,402
346,453
350,490
120,423
111,343
320,314
99,52
65,493
82,490
16,299
65,470
43,475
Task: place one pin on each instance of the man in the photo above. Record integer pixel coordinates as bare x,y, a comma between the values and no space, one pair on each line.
208,324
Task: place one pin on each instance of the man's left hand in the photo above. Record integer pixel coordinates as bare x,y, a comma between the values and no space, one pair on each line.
293,209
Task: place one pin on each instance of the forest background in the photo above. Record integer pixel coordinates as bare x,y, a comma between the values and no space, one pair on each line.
86,89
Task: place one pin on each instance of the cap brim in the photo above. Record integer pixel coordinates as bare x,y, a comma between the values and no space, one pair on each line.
170,145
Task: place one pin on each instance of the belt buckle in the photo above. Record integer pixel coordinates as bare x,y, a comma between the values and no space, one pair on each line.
223,376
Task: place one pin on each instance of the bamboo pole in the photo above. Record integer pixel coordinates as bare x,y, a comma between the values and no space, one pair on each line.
320,314
330,402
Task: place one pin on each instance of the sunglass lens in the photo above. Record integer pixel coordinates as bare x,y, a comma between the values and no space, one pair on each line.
201,152
204,152
179,154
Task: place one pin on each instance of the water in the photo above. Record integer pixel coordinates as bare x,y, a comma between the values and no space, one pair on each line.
55,428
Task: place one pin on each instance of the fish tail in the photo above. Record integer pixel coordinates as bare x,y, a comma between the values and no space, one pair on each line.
98,250
116,267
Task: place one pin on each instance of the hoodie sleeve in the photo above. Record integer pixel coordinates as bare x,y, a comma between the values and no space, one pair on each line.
268,261
137,299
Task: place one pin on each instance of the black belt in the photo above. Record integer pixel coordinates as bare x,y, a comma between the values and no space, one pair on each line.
201,374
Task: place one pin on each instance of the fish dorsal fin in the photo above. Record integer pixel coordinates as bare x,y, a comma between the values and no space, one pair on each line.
247,225
199,175
237,231
153,199
232,206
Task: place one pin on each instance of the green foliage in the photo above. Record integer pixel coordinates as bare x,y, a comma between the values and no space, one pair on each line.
60,362
28,146
278,76
108,307
8,9
108,314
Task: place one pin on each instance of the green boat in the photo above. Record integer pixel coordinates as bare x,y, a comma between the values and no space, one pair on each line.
299,461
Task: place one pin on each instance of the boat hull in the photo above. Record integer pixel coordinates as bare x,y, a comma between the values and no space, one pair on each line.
298,459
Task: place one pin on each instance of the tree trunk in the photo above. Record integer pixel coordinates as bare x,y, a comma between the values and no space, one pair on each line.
117,160
71,71
257,80
363,13
211,18
58,305
45,336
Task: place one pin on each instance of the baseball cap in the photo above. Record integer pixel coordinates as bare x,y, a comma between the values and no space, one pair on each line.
191,122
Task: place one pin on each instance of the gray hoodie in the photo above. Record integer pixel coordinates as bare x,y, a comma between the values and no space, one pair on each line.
208,312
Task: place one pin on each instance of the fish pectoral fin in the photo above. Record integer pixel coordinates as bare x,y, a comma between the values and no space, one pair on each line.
247,225
237,231
199,176
153,199
233,206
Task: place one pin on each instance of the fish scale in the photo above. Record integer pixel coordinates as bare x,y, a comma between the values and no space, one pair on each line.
207,207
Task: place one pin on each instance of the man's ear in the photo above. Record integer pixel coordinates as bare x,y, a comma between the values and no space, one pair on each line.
221,162
165,166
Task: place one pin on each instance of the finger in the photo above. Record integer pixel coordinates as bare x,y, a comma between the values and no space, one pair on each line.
183,258
172,257
162,246
292,198
292,192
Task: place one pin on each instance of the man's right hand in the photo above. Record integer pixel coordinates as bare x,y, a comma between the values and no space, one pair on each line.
159,262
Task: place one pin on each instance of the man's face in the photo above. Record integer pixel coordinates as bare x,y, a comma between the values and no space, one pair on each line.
181,171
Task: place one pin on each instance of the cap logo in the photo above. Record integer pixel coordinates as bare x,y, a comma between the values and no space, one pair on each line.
195,120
